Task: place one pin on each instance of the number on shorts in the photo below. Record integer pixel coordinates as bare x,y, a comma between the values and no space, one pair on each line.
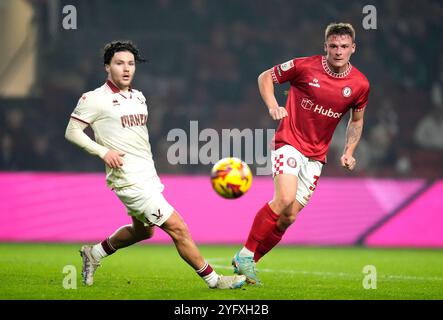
312,188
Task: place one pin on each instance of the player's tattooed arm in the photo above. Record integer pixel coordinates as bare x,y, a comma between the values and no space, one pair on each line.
353,134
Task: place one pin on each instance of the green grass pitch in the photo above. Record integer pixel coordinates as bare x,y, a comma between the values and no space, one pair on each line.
35,271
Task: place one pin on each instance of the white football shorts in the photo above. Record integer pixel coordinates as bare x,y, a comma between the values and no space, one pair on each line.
289,160
147,205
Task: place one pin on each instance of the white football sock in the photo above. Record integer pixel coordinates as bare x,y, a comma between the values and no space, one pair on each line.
98,252
211,279
246,252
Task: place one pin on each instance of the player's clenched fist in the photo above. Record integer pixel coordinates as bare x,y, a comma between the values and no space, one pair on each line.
114,159
348,162
278,113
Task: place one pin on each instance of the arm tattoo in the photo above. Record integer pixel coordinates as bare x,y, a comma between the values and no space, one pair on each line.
353,133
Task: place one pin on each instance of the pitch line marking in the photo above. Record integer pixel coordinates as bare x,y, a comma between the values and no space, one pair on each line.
330,274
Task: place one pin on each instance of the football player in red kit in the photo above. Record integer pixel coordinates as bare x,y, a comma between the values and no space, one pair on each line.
322,90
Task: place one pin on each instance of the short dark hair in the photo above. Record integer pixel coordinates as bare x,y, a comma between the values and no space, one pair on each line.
340,29
117,46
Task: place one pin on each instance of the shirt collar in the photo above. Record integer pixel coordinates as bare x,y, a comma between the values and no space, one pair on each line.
114,88
332,73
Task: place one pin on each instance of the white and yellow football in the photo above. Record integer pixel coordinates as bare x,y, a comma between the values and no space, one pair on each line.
231,178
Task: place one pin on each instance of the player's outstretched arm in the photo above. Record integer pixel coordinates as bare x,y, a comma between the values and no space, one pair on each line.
353,134
75,134
266,88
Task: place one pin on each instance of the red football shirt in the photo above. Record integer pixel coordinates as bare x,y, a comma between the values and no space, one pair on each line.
318,98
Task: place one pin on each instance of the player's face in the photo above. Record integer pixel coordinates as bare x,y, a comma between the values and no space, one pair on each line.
121,69
339,49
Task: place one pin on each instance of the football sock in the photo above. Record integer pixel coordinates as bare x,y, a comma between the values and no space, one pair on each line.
263,224
102,249
270,242
245,252
208,275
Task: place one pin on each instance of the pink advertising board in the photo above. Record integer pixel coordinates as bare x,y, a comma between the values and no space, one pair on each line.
418,224
75,207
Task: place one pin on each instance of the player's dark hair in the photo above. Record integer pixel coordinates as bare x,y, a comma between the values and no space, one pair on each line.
340,29
117,46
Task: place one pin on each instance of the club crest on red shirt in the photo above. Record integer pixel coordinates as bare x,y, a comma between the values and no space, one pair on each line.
346,91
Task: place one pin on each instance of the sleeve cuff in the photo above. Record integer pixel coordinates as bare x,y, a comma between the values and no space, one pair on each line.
274,77
360,109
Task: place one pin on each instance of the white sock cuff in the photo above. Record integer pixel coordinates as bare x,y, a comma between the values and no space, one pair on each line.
98,252
211,279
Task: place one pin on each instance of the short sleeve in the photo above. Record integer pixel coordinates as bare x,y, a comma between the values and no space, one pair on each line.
362,100
87,109
284,72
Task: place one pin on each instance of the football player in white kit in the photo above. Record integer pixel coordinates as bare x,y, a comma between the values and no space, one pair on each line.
117,114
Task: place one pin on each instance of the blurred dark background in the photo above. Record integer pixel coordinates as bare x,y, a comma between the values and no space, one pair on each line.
204,59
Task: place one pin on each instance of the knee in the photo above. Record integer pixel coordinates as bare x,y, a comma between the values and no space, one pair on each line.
180,232
148,233
144,233
284,202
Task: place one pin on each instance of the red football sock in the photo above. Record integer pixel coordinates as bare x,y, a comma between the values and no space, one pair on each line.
262,226
270,242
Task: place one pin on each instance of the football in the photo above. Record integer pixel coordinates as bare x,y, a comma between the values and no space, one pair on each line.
231,177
